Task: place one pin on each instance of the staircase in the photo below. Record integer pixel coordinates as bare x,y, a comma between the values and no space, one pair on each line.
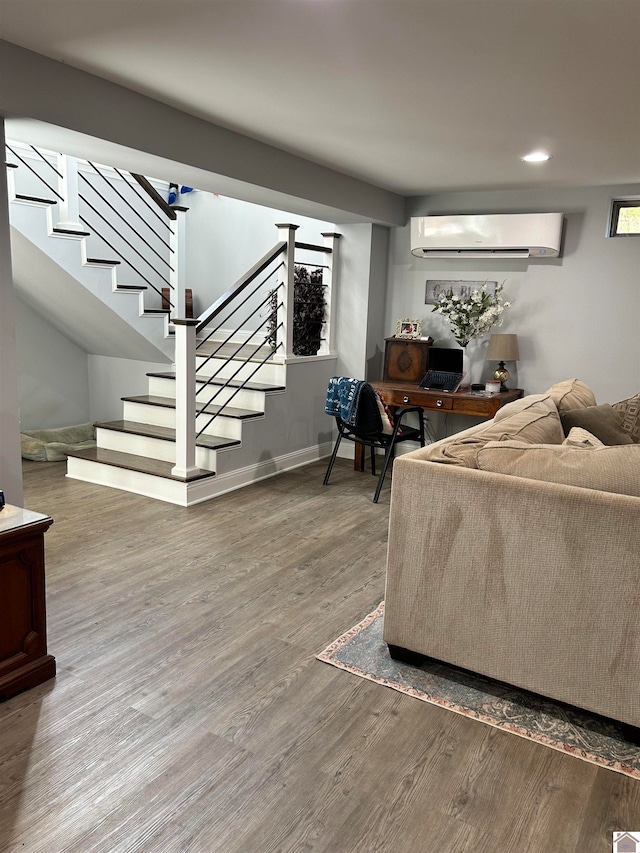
138,453
55,242
202,428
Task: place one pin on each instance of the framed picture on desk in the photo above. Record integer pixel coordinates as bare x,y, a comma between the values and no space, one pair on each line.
408,328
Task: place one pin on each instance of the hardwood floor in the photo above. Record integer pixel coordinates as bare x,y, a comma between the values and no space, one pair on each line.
189,712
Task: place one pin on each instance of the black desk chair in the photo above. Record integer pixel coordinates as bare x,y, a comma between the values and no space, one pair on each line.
369,425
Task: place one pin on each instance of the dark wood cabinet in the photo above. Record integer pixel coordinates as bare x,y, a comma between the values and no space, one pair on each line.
24,661
405,359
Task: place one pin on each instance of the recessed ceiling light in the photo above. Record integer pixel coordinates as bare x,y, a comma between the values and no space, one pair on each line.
536,157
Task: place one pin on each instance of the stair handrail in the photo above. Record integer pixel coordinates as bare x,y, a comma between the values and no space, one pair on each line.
241,284
153,193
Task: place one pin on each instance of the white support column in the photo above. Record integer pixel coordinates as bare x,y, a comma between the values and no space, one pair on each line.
330,278
69,209
185,360
177,259
286,233
10,454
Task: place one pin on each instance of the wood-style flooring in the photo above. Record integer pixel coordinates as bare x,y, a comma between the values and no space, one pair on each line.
190,714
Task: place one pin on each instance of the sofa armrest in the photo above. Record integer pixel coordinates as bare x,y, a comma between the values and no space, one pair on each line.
532,583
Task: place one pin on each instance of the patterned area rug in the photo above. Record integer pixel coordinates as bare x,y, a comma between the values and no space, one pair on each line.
363,652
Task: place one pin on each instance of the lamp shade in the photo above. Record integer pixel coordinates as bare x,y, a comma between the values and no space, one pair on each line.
503,348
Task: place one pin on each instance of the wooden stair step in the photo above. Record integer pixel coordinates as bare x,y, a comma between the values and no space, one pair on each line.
106,262
245,352
39,199
212,442
234,383
72,231
170,403
140,464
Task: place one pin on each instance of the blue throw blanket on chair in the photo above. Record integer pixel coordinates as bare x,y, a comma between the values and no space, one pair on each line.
343,394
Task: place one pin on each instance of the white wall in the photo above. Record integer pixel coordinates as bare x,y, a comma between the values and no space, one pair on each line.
225,237
576,315
110,379
52,374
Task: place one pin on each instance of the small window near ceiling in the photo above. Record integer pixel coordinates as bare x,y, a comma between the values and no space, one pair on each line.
624,220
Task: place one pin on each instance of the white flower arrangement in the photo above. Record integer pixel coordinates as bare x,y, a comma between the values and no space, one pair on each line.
473,315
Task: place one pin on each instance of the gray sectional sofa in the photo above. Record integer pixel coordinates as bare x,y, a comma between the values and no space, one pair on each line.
514,550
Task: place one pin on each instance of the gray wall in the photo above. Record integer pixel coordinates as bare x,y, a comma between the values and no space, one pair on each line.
225,237
575,316
10,464
52,374
153,137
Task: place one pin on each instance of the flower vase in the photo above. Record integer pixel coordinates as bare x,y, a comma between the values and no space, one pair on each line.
466,368
472,362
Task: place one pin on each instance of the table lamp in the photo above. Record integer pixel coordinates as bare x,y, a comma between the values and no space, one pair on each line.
502,348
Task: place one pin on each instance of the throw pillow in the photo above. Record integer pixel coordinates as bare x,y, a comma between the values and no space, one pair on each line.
629,409
571,394
602,421
579,437
608,469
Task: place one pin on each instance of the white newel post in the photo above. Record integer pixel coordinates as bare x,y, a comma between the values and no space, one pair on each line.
185,360
330,276
68,210
286,233
177,273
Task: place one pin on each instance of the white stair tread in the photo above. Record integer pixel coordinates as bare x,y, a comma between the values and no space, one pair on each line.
244,352
170,403
251,386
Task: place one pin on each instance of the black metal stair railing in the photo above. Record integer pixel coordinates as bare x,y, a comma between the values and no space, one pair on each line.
240,333
134,223
239,312
146,261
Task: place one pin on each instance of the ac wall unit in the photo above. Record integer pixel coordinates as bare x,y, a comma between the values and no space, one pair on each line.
481,235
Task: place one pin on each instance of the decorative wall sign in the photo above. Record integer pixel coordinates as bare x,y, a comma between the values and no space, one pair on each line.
435,288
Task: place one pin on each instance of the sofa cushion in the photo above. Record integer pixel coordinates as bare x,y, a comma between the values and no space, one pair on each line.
571,394
609,469
579,437
535,424
629,409
531,400
602,421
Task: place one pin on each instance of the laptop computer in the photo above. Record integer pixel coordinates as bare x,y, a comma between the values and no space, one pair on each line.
445,370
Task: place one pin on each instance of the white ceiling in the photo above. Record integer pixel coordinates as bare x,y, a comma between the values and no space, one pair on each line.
414,96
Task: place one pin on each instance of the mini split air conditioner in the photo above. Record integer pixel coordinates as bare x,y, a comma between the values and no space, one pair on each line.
496,235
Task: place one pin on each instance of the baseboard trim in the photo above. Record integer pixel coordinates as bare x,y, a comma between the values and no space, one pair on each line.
233,480
197,491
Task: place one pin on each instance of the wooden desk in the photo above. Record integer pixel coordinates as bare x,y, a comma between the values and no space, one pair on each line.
24,661
399,394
